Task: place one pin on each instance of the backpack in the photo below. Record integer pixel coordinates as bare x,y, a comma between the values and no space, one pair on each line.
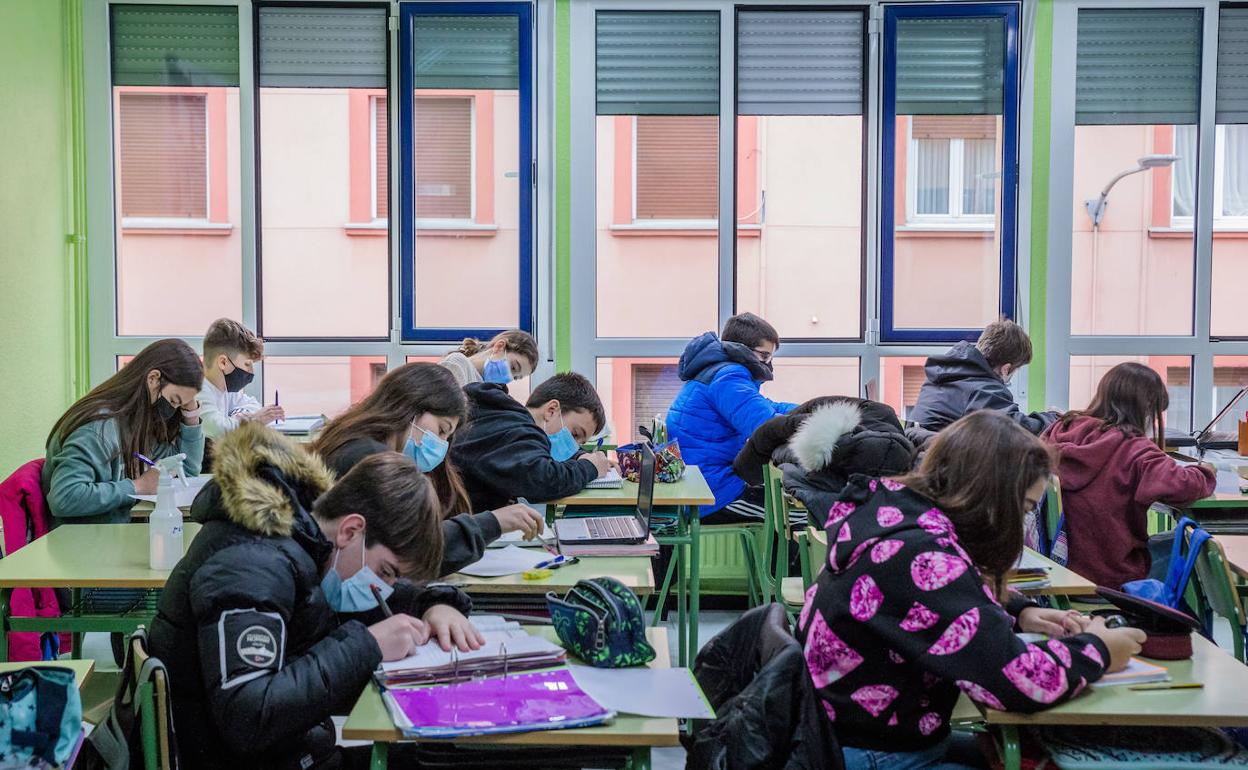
24,516
41,713
1179,571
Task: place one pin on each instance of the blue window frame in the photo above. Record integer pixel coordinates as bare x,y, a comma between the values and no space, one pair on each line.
1009,169
409,16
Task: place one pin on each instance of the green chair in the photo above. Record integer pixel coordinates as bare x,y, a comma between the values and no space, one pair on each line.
773,571
151,690
1216,592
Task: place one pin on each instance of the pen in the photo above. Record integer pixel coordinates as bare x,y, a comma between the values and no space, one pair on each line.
277,401
385,608
145,459
557,562
598,447
1168,686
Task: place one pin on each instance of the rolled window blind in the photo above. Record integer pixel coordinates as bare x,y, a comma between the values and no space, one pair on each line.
381,142
799,63
466,52
954,127
323,47
657,63
174,45
677,167
163,158
950,66
1137,67
443,157
1232,99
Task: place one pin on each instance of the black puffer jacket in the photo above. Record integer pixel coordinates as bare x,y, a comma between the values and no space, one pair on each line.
824,442
754,675
960,382
257,659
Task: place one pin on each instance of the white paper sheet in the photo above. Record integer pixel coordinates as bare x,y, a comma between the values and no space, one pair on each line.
610,480
183,496
516,538
505,561
515,642
650,692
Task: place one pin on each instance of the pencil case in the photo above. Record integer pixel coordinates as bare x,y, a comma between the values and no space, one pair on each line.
669,466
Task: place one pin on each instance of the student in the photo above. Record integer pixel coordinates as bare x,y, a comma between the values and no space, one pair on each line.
511,355
414,410
906,613
148,408
269,625
508,451
1113,468
719,407
230,353
971,377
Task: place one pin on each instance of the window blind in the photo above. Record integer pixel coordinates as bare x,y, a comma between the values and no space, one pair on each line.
1137,67
323,47
443,157
657,63
381,145
799,63
174,45
954,127
466,52
163,155
950,66
1232,98
677,167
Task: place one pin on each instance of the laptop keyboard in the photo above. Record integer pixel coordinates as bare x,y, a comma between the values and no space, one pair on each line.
610,528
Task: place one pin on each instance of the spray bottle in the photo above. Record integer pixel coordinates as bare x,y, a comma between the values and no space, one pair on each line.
165,525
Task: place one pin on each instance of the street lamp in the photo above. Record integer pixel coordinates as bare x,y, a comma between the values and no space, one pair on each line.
1096,208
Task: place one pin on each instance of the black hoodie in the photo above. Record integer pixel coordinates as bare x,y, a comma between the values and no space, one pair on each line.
503,454
961,382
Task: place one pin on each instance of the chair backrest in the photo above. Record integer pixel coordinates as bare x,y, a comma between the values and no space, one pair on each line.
1216,591
152,692
776,533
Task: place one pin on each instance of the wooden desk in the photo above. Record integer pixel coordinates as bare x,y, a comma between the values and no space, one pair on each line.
369,721
685,496
82,668
1236,548
1219,704
81,556
632,571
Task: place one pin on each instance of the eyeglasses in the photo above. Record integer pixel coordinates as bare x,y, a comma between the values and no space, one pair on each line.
763,355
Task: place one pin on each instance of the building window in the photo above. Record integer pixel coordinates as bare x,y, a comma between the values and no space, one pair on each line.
444,158
163,143
676,161
953,173
381,159
1230,177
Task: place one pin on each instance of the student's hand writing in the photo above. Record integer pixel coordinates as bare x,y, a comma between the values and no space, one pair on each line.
266,415
146,484
399,635
1213,469
449,626
1122,643
522,518
600,461
1054,623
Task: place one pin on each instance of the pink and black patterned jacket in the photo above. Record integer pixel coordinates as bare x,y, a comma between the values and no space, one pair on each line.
901,620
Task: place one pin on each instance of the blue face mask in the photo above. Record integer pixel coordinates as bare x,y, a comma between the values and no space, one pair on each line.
562,445
429,453
354,594
497,370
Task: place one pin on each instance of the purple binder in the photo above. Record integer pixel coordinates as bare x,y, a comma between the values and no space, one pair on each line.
545,700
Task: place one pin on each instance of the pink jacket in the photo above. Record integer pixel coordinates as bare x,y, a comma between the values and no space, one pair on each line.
25,517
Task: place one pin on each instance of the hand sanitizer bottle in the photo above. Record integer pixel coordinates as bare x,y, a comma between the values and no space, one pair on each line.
165,525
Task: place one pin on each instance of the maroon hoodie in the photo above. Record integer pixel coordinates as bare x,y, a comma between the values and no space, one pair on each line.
1109,480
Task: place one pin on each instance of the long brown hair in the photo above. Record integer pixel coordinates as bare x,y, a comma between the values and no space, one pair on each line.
978,471
124,397
399,399
1132,398
515,341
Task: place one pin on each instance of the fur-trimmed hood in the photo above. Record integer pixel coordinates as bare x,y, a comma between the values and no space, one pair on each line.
258,470
814,442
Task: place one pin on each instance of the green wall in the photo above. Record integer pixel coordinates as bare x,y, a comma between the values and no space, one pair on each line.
36,341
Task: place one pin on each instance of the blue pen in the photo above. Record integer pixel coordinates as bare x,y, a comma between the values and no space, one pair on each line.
557,562
145,459
599,445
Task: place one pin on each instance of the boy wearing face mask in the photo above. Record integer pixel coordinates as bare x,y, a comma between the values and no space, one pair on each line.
269,625
507,451
230,353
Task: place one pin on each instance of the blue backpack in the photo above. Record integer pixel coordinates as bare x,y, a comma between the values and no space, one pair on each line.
40,717
1179,572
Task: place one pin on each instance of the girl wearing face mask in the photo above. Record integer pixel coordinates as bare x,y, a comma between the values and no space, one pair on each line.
511,355
149,408
414,410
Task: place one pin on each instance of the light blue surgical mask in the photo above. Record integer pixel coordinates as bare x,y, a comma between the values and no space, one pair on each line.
562,445
354,594
497,370
429,453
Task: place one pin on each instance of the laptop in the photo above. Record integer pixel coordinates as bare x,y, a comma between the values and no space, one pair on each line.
1208,438
871,390
616,530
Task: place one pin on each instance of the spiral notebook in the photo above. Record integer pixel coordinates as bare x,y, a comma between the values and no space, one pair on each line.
612,480
543,700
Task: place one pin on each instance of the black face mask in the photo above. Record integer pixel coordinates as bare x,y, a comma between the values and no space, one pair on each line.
164,410
238,379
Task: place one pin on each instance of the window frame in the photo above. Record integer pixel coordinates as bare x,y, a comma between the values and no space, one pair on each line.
954,219
408,224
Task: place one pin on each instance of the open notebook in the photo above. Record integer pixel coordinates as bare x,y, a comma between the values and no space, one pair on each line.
508,648
612,480
1136,672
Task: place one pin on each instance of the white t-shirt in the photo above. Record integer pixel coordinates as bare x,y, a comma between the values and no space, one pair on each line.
219,409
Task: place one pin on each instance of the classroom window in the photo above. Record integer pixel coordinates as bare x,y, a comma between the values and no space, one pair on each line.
324,251
177,207
320,385
901,378
1228,312
950,143
1137,93
1175,371
658,144
799,161
1230,375
465,120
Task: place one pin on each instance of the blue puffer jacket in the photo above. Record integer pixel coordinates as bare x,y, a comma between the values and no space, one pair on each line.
718,409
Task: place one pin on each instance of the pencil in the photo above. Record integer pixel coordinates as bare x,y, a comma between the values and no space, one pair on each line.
1168,686
385,608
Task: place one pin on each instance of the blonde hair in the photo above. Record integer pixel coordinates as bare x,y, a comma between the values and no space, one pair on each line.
515,341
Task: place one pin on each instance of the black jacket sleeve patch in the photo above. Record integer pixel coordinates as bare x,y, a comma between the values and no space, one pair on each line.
250,644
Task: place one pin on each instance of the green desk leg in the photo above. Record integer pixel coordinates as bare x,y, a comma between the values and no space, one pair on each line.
1013,753
681,554
695,581
639,759
5,595
76,600
381,756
